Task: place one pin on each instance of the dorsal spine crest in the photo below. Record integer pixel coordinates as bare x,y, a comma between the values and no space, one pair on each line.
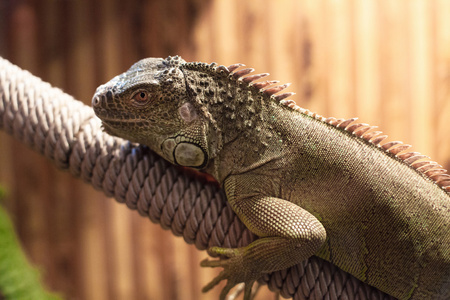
267,90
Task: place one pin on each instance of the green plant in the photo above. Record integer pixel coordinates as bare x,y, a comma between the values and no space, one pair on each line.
18,279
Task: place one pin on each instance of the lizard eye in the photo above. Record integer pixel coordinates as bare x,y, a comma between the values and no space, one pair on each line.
141,97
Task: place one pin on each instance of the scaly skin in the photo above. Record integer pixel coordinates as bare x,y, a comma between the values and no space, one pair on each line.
304,184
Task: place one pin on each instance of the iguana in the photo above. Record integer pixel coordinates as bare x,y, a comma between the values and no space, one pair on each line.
305,184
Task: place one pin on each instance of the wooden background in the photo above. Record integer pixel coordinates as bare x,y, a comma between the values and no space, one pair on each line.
387,62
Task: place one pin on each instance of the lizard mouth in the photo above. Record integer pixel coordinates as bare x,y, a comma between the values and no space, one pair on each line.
110,116
112,128
108,129
118,121
115,117
117,124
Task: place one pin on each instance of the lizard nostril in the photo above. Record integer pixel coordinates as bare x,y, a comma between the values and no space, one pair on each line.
96,101
101,98
109,95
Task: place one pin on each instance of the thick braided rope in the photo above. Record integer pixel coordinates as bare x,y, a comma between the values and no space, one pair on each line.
67,132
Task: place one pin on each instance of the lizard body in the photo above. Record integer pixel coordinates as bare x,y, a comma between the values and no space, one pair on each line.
304,184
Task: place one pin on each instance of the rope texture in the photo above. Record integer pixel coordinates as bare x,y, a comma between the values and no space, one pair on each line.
68,133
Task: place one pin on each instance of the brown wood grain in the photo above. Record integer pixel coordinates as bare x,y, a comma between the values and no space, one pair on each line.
387,62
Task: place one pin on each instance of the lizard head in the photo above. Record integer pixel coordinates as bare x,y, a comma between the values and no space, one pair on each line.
149,104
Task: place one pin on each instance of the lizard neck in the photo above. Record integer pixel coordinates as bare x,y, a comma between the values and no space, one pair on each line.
244,120
259,141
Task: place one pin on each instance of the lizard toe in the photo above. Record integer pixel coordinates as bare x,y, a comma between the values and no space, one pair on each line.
227,252
212,263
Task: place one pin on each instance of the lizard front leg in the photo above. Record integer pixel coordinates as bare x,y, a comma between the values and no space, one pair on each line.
289,234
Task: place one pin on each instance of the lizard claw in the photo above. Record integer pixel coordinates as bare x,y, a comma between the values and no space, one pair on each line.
232,272
230,284
239,288
217,279
246,287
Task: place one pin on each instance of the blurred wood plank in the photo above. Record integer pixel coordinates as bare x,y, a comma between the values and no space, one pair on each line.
422,73
387,62
367,60
339,58
441,86
393,66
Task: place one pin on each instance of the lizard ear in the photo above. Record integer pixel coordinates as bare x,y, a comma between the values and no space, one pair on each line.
187,112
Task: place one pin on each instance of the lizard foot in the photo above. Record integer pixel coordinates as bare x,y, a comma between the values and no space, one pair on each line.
234,272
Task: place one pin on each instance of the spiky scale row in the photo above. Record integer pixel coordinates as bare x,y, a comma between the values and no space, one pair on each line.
234,67
416,160
242,72
344,124
273,90
419,162
434,172
399,149
370,135
429,165
280,97
390,145
407,155
377,140
263,84
251,78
